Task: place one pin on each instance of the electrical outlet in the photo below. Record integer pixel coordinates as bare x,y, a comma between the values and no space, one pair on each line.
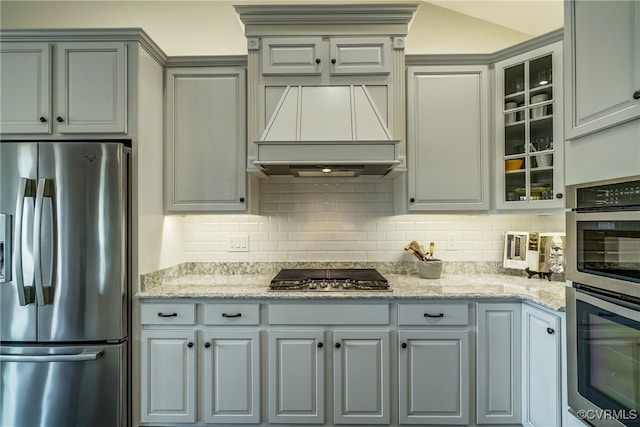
452,242
238,243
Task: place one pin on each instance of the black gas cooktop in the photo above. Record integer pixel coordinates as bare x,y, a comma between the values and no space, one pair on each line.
329,279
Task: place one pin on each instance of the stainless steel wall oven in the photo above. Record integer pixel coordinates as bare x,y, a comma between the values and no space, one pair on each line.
603,302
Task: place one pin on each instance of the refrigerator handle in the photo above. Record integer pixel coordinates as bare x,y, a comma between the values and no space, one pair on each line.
79,357
44,189
25,189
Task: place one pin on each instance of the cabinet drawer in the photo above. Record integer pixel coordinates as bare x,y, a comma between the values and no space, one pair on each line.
232,314
168,314
433,314
322,314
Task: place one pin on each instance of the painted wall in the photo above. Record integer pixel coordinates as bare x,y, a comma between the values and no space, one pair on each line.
213,28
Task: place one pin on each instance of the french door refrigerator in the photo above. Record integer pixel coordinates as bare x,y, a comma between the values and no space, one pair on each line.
64,284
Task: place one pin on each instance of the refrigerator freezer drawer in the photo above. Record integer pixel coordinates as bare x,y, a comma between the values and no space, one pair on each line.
69,386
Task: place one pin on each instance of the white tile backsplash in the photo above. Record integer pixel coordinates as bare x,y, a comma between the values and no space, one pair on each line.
347,220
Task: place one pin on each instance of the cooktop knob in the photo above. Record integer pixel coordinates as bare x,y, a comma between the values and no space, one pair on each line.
346,284
323,284
334,284
313,285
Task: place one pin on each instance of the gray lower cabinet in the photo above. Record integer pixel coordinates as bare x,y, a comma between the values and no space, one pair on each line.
433,384
361,372
206,370
231,367
498,388
168,377
542,367
296,376
434,360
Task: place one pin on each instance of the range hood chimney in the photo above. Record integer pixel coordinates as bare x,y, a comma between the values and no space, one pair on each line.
326,131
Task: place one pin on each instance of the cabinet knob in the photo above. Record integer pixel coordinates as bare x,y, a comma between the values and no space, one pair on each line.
559,196
241,199
318,60
338,345
43,119
320,345
59,119
550,331
333,61
636,94
207,344
189,344
412,200
404,345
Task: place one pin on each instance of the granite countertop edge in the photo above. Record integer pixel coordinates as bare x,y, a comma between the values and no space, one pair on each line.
407,286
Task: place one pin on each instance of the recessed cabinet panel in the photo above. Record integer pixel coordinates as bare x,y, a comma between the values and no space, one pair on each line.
434,377
231,376
25,79
292,55
296,377
448,138
168,377
498,388
603,65
92,87
205,148
361,377
360,55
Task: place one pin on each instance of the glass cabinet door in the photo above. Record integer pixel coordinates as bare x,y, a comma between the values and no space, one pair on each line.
528,123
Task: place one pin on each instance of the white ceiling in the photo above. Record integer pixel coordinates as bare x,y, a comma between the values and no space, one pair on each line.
533,17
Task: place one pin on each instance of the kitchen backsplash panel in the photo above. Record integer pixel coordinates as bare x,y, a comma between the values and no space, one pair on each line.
347,220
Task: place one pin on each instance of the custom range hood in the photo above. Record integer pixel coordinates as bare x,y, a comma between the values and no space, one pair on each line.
326,131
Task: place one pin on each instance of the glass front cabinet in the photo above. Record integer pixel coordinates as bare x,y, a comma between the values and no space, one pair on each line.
529,130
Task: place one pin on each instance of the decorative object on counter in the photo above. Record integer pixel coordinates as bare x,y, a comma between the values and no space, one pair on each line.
537,253
428,267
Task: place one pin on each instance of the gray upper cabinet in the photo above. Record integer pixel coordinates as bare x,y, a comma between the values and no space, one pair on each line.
604,66
334,56
528,110
205,139
65,88
448,138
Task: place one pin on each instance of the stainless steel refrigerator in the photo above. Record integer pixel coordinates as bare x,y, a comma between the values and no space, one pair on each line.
64,284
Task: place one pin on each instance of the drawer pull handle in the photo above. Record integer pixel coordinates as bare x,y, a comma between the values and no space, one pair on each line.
434,315
168,315
231,315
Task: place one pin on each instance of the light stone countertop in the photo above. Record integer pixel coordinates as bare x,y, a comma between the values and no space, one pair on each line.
550,294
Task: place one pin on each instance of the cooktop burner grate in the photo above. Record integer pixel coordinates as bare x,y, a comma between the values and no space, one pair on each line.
330,279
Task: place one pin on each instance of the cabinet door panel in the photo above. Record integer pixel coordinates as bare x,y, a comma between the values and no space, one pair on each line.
232,377
25,82
612,58
296,377
206,142
499,369
434,377
292,55
92,88
447,125
542,368
168,376
361,377
360,55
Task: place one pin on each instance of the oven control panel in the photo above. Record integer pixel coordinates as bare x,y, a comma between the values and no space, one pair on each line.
621,194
